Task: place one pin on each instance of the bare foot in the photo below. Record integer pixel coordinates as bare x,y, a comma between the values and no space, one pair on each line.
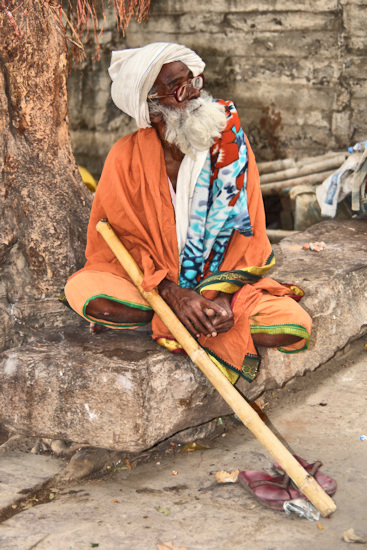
95,328
145,328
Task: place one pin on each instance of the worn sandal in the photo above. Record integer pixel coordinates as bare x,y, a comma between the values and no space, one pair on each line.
326,482
272,492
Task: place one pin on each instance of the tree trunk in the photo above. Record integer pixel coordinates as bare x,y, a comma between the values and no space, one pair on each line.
44,206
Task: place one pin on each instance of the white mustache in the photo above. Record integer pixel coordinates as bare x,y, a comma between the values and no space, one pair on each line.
197,125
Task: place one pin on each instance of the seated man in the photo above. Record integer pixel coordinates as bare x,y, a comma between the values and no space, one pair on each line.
183,195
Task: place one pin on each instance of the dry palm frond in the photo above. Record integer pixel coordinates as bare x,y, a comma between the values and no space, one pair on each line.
84,15
78,19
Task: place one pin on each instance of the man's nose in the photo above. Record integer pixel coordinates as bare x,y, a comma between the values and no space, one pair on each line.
193,93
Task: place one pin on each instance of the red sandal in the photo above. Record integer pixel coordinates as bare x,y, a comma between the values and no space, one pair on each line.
272,492
326,482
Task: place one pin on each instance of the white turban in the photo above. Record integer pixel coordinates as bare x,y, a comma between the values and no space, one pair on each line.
134,71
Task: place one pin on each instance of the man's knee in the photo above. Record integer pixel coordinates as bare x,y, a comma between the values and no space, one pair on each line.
115,312
274,340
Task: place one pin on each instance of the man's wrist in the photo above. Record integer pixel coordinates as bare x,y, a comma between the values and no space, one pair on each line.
165,286
225,295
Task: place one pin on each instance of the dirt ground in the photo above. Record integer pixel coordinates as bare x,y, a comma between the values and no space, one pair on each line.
171,499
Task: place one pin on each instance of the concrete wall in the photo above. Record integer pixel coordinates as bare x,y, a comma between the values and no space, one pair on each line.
296,70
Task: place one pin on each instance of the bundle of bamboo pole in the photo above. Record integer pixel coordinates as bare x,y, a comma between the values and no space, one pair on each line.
283,174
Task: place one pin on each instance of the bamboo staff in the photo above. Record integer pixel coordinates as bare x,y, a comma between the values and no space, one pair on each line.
239,405
277,186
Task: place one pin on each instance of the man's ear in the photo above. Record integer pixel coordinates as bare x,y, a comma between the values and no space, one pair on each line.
155,118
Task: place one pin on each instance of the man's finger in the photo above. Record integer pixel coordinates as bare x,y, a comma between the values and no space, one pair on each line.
222,326
216,308
207,327
196,322
195,331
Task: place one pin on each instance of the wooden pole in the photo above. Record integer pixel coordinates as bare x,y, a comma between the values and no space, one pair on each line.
304,170
271,166
275,165
278,186
306,483
319,158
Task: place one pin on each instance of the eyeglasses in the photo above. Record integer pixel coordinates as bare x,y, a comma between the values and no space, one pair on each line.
182,92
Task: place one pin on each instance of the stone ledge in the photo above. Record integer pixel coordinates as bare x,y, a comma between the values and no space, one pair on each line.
119,390
335,285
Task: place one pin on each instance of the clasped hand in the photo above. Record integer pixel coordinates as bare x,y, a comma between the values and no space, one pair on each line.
199,315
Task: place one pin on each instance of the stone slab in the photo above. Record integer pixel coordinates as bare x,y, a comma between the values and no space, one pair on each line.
22,472
119,390
335,283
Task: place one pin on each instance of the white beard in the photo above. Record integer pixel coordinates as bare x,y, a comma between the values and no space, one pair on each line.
195,127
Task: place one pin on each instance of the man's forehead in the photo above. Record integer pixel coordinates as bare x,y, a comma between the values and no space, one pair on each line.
170,72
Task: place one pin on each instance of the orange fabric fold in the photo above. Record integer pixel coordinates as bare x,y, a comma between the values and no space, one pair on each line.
232,346
133,194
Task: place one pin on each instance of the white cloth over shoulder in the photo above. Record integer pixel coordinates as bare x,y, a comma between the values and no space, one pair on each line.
186,182
134,71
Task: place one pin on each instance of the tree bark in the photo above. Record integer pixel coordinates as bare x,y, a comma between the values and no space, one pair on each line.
44,206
